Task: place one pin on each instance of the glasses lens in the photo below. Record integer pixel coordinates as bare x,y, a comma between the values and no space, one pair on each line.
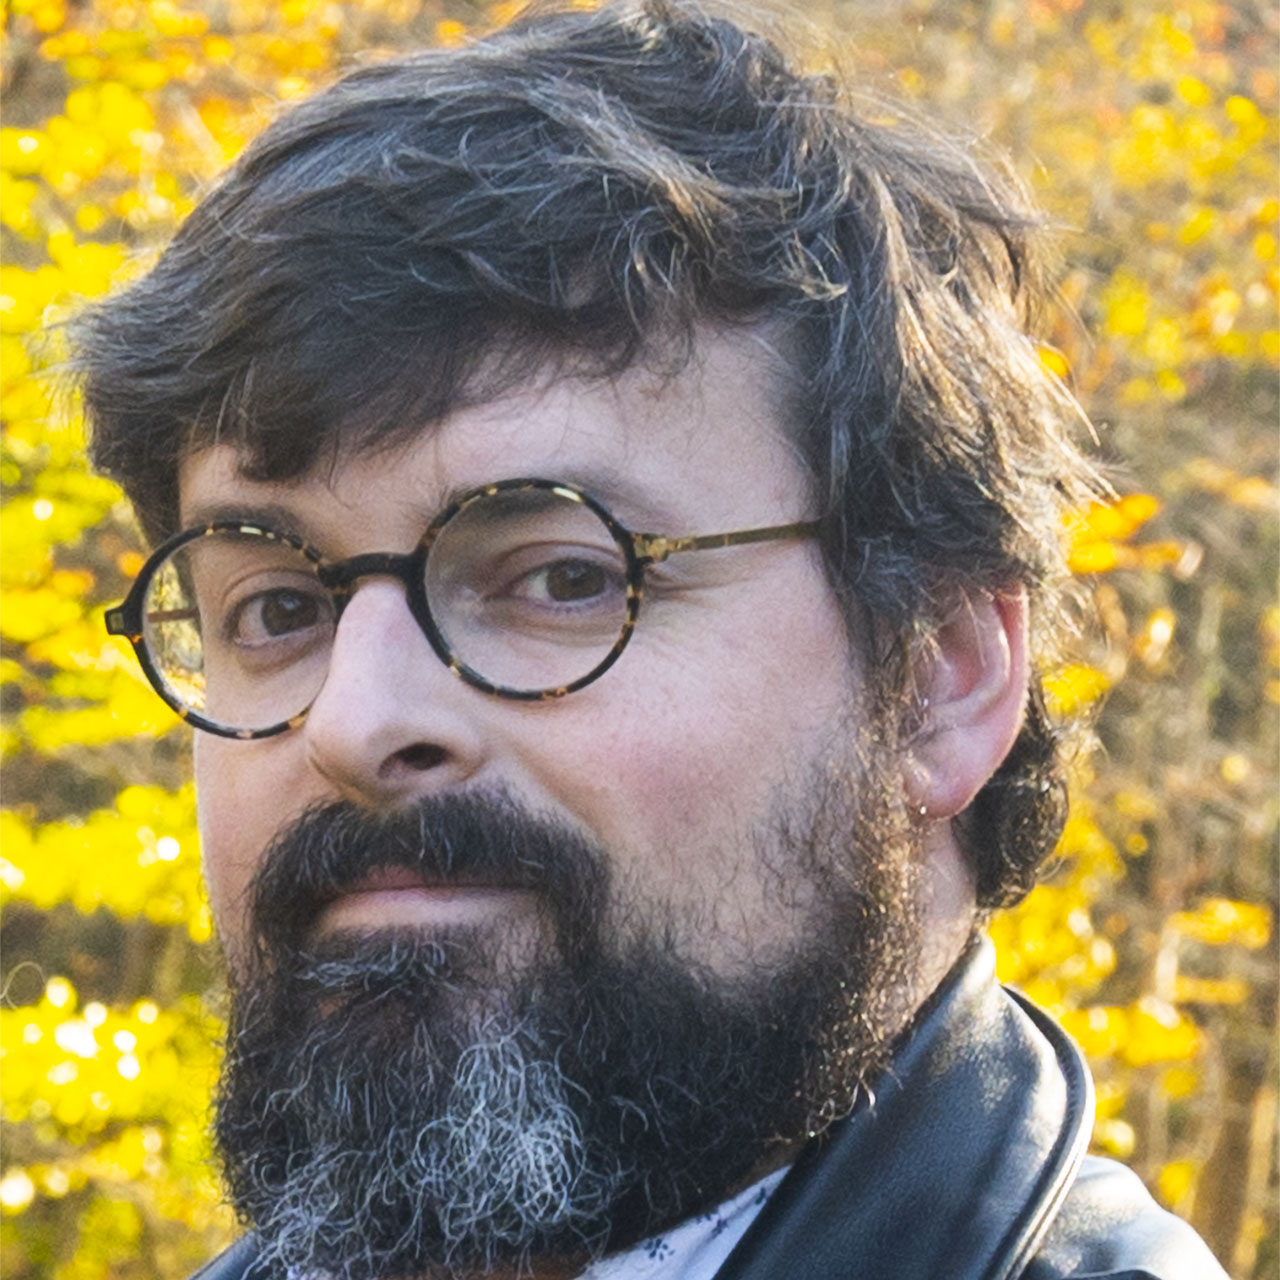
528,588
239,629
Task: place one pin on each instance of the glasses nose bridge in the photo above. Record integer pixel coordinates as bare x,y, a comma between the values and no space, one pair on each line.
341,576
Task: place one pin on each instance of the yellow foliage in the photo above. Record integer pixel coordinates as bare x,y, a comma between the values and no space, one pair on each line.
1094,536
1127,305
1072,688
1153,127
1179,1082
1055,362
1094,557
140,859
21,150
1114,1138
1198,225
1194,92
1120,519
450,32
1136,806
107,1067
30,614
1219,922
1210,990
111,1091
1089,853
1159,1033
1175,1182
1138,1035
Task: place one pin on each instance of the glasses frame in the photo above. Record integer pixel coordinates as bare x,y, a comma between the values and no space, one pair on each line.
341,577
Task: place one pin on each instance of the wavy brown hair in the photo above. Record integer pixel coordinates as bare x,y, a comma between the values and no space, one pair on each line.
590,188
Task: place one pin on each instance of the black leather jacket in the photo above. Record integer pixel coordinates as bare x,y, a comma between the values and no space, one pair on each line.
969,1165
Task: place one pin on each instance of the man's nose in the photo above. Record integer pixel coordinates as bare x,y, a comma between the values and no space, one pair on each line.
391,721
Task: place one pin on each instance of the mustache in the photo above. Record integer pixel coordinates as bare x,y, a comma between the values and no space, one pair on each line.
468,838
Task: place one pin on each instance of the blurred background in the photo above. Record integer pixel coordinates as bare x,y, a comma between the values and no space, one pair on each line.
1149,131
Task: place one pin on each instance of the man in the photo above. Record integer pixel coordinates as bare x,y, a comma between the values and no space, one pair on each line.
607,509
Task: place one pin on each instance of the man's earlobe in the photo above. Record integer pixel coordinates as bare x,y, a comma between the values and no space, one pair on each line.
972,691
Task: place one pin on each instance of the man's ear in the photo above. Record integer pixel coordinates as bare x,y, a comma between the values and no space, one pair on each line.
972,691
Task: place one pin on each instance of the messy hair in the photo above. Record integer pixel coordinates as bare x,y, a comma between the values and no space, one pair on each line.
587,190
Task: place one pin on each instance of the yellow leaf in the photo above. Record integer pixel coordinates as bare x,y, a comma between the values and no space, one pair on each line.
177,23
1093,557
1221,922
22,151
1197,226
1175,1182
1210,990
1119,519
450,32
1115,1137
1235,768
1127,311
1155,555
1179,1082
1158,1033
48,15
1074,687
1254,493
1138,806
1136,391
1193,92
1241,111
31,614
1055,362
1100,1030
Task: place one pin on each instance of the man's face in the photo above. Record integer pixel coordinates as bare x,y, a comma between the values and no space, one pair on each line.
737,682
636,934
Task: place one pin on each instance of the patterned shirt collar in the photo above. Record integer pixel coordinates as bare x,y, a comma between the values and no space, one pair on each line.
694,1249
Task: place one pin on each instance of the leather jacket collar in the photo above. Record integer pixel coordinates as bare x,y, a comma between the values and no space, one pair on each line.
958,1164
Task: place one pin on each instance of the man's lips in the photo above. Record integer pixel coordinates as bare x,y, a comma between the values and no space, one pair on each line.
395,896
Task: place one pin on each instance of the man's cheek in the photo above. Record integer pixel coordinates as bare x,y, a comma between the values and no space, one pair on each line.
679,788
240,806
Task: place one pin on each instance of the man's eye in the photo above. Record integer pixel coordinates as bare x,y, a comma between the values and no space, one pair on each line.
568,582
571,580
269,615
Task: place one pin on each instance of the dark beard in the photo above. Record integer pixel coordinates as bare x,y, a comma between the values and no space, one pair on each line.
402,1104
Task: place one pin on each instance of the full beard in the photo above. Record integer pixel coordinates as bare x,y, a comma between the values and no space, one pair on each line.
406,1103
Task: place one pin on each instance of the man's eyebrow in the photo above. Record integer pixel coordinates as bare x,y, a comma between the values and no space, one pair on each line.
635,505
275,515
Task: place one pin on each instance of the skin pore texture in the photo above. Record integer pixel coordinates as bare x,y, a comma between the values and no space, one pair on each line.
716,811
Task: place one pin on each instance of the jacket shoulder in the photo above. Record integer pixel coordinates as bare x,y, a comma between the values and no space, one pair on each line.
235,1263
1109,1228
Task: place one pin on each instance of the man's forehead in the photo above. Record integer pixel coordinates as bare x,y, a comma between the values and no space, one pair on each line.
216,487
656,444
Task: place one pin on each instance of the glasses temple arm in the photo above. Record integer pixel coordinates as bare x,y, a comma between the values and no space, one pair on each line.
656,547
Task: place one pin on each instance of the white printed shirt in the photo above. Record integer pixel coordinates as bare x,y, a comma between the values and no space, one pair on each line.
694,1249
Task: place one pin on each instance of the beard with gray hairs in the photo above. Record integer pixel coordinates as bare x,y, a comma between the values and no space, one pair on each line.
401,1103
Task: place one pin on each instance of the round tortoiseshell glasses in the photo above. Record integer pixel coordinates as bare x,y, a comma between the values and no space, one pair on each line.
525,589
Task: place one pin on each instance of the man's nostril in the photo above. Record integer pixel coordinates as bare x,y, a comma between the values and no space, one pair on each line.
422,756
